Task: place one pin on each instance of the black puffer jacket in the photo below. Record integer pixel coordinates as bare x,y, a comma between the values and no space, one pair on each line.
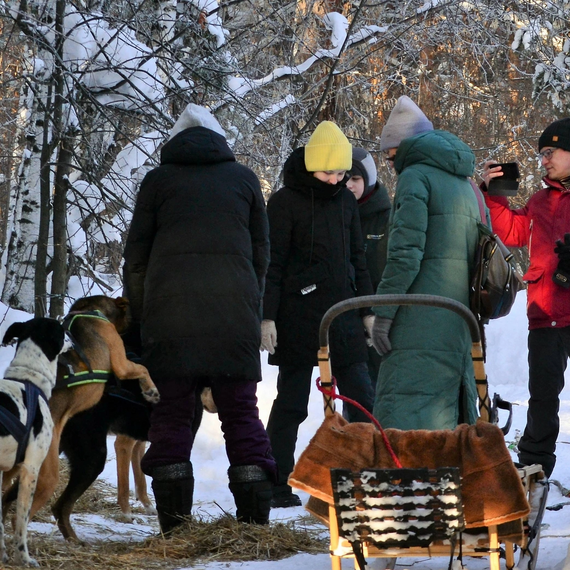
374,210
195,261
317,260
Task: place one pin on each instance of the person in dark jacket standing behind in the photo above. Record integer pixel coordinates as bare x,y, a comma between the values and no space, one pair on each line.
545,221
317,260
195,262
374,208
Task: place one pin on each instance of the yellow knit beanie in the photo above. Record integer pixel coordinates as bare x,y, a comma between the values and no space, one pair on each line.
328,149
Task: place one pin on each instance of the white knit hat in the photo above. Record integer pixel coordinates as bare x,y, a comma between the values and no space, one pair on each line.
405,120
196,116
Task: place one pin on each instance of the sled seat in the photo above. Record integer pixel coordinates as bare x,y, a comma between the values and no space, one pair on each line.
407,513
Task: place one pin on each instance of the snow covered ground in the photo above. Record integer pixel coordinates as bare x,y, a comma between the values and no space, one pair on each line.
508,375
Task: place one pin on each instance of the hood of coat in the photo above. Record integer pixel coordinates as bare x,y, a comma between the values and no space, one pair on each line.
377,201
298,178
196,145
555,184
439,149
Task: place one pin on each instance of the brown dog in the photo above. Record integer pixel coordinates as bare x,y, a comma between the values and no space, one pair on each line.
129,452
98,335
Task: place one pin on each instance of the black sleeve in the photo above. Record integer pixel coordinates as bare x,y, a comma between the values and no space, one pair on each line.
358,260
259,231
139,245
280,235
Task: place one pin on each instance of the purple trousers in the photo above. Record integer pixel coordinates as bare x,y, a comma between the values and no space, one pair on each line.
172,426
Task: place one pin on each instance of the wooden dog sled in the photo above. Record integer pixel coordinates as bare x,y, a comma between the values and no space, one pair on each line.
476,503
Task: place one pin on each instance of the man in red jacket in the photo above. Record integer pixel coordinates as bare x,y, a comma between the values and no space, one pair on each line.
543,225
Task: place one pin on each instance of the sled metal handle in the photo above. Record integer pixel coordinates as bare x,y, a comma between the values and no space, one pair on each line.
412,299
383,300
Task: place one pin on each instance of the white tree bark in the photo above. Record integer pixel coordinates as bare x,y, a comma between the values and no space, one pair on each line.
23,220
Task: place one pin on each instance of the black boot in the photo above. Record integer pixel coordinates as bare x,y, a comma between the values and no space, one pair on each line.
251,489
283,497
173,487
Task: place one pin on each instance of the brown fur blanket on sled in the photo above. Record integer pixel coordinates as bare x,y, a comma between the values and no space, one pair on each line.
491,487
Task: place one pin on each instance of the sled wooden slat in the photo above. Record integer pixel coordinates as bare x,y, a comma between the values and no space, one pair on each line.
398,507
341,549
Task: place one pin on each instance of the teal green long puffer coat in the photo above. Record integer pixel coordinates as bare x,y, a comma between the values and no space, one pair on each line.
427,380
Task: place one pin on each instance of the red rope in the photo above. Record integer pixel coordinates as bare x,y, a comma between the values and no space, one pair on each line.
332,394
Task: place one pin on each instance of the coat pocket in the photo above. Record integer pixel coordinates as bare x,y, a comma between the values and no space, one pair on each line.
533,274
307,281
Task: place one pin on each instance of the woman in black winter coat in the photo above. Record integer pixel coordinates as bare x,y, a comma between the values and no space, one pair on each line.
195,263
374,207
317,260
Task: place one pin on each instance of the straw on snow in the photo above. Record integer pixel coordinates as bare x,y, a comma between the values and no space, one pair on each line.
201,538
220,540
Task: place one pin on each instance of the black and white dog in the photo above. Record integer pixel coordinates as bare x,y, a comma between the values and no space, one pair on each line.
25,420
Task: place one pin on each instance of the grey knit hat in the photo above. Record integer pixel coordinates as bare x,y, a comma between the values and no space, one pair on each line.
363,165
196,116
405,120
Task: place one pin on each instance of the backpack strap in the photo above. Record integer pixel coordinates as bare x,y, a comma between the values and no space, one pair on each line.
475,300
479,201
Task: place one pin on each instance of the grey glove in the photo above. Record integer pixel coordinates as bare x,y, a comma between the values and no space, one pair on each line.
268,336
380,331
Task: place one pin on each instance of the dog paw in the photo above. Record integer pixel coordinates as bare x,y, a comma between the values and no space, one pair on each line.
125,518
152,395
25,560
150,510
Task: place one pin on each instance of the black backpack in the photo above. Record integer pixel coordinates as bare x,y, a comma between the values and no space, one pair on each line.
496,280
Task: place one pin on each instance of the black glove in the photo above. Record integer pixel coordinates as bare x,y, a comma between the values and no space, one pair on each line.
562,274
562,249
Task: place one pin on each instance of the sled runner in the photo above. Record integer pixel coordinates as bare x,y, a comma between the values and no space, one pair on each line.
420,493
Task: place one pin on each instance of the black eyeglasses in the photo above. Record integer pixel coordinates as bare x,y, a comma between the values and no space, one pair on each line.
390,158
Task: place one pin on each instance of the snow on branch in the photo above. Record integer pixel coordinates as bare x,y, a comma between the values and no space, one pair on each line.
268,113
544,38
338,26
210,17
111,62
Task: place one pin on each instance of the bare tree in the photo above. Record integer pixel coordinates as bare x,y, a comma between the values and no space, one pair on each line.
101,82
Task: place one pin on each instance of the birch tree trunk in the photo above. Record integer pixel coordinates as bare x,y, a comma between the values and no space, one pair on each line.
20,287
24,215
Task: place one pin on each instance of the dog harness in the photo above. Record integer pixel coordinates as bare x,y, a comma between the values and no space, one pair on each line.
17,429
88,376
